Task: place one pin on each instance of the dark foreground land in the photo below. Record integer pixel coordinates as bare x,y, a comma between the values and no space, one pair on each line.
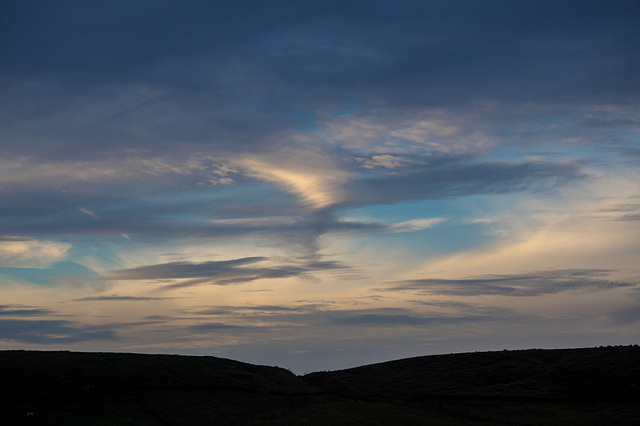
595,386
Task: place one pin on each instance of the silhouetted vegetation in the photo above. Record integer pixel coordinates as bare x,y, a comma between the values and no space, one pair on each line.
591,386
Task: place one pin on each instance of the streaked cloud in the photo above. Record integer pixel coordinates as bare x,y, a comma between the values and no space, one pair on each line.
223,272
120,298
89,212
626,316
334,183
377,320
51,332
517,285
452,177
20,311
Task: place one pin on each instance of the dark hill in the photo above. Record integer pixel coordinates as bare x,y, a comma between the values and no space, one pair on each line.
610,373
591,386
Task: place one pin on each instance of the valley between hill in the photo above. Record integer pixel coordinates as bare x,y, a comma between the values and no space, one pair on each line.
591,386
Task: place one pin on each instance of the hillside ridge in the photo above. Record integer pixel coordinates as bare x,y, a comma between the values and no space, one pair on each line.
585,385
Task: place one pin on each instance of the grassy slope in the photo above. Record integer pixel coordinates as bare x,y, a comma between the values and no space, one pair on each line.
572,386
592,373
566,386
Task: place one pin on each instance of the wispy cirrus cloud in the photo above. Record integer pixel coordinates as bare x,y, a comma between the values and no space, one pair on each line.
31,252
312,177
384,168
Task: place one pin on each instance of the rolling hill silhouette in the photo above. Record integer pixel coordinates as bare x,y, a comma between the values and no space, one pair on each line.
592,386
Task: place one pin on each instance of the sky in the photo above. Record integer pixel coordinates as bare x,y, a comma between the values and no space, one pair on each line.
319,185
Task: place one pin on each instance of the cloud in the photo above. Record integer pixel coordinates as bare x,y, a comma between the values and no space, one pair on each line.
111,174
141,139
453,306
628,211
423,131
625,316
20,311
121,298
51,332
218,83
89,212
377,320
314,316
414,225
65,272
261,312
19,252
515,285
182,269
576,227
386,161
276,308
217,326
310,177
219,272
451,177
326,45
358,133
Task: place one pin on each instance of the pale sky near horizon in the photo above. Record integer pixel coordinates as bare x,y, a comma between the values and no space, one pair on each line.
319,186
